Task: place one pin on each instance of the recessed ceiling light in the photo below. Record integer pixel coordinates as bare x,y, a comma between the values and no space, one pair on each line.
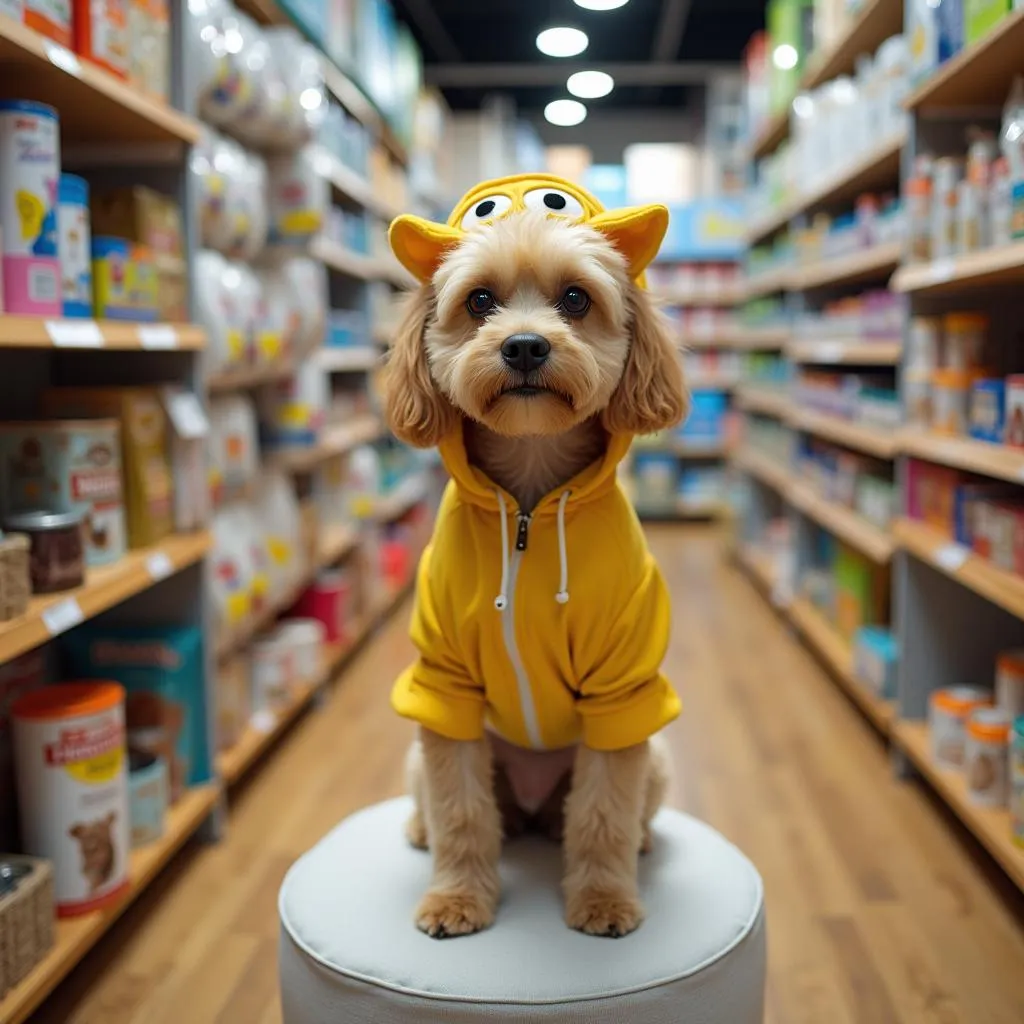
562,42
590,85
601,5
565,113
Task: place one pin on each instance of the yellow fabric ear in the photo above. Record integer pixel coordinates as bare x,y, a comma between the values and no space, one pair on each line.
636,231
419,244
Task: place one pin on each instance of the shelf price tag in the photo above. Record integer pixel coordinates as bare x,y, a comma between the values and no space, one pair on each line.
74,333
942,270
264,722
159,565
63,58
158,336
951,557
61,617
829,352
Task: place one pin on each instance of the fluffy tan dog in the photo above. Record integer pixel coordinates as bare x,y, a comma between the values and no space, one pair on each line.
531,356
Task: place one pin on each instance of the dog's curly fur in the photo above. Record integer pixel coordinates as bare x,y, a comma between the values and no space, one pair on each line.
614,369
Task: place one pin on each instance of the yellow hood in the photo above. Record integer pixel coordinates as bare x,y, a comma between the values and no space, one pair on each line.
549,629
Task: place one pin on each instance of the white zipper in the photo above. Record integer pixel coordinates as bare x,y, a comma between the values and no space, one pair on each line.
508,626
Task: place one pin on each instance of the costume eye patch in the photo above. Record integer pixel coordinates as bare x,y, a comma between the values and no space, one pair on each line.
484,210
553,200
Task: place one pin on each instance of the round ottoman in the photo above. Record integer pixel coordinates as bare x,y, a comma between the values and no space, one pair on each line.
350,953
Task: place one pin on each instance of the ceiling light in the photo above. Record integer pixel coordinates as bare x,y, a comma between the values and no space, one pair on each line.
565,113
590,85
562,42
601,5
785,57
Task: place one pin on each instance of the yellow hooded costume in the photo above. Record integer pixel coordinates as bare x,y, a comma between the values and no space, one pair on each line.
548,628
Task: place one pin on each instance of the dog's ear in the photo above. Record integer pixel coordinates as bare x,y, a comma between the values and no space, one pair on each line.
416,411
651,395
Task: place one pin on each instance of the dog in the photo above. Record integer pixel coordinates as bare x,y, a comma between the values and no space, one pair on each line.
96,845
531,355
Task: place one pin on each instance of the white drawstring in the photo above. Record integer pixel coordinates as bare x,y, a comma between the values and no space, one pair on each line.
501,601
562,597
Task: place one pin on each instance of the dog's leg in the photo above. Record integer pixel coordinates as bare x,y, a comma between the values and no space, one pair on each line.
602,840
659,779
464,826
416,826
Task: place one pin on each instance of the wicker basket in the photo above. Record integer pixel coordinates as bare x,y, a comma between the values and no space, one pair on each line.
26,918
15,584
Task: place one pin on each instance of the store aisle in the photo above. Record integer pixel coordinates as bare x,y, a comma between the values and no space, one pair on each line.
877,912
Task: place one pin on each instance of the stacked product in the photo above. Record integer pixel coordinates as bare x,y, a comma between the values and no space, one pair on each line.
869,399
876,220
850,479
766,370
770,257
711,369
768,437
698,283
698,324
978,730
875,315
764,314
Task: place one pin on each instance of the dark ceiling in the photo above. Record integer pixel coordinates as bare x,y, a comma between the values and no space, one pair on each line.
461,32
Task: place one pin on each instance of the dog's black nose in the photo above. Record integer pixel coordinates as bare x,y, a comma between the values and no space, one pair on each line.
525,352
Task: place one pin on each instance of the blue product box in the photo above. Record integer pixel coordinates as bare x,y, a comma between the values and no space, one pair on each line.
988,410
346,328
876,659
161,668
707,415
949,24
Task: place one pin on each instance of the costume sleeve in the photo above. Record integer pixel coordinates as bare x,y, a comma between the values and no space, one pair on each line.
624,698
436,690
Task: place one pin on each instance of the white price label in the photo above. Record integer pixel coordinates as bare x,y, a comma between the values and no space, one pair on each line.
74,333
942,270
186,413
158,336
951,557
829,352
62,58
159,566
264,721
61,617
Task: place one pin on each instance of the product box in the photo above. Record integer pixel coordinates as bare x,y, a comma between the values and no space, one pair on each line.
149,487
862,596
935,33
161,668
971,503
931,494
981,16
141,215
876,660
1015,411
987,418
50,17
101,34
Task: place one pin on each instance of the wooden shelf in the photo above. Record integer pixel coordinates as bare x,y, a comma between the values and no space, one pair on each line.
765,400
995,460
761,567
39,332
339,359
336,440
94,106
711,382
991,826
879,168
756,339
1005,589
979,76
876,262
870,440
336,541
77,935
1003,265
49,615
766,469
353,186
774,132
766,282
837,654
846,524
850,351
345,261
247,377
867,30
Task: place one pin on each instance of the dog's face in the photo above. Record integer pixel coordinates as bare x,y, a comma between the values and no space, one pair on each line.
97,847
530,326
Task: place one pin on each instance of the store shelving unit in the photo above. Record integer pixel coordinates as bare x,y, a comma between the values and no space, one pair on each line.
934,580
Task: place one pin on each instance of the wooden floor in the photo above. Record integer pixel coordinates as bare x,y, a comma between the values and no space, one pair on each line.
879,909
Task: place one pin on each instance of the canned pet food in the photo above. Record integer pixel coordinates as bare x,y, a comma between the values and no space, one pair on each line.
305,638
986,757
1017,780
147,789
273,671
948,711
69,757
29,175
57,551
68,466
75,246
950,390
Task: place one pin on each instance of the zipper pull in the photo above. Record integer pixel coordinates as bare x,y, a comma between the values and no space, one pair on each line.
523,532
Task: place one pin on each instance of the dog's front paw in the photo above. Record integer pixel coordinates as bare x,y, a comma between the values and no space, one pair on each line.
444,915
416,831
604,913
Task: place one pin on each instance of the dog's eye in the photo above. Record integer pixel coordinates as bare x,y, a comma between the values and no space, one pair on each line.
485,210
480,302
575,302
551,200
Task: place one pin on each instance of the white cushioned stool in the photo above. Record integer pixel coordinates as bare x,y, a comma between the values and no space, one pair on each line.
350,953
